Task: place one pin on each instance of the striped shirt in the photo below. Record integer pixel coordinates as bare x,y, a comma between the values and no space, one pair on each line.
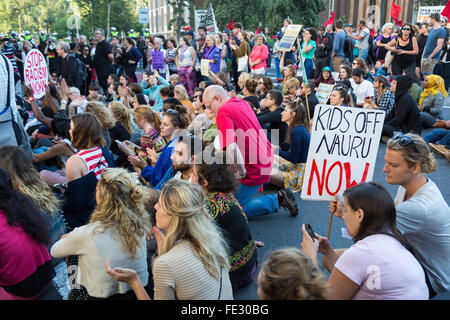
94,160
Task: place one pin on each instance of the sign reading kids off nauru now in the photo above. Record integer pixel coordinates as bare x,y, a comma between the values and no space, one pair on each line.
36,73
342,151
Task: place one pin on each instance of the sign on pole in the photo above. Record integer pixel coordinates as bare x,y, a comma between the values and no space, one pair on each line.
423,15
36,73
323,92
206,18
143,16
342,150
289,37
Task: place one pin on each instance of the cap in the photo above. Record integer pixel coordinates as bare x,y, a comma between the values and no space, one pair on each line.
190,32
382,79
348,25
326,69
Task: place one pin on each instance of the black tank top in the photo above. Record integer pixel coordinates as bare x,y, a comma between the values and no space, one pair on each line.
405,60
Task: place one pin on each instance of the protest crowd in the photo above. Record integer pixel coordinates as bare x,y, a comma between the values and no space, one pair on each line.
140,185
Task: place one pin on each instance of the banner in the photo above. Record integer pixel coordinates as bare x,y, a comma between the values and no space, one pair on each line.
423,15
36,73
206,18
342,150
289,37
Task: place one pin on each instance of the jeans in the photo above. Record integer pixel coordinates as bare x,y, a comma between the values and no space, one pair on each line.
258,206
363,54
439,136
277,68
309,66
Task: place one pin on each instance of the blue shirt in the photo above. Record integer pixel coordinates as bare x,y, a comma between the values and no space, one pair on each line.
153,93
298,152
432,40
338,44
156,173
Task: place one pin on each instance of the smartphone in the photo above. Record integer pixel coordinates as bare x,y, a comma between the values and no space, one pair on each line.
310,231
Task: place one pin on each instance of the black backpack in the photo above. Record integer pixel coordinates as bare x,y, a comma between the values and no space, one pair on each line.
81,67
348,47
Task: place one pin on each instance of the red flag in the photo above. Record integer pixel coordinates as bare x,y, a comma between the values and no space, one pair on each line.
395,11
331,20
446,11
230,26
398,22
257,30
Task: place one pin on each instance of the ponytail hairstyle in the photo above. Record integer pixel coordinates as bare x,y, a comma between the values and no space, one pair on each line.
300,118
145,112
122,115
177,115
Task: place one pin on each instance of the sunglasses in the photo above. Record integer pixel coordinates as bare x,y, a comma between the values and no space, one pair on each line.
404,140
407,29
198,96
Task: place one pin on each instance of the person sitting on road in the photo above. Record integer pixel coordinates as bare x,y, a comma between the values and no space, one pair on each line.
378,265
431,100
289,274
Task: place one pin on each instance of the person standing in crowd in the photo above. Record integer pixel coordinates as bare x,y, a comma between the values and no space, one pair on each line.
259,55
363,40
212,53
338,54
370,217
116,50
185,61
157,57
421,42
103,58
433,46
382,41
308,49
69,69
234,41
25,263
405,48
323,51
234,118
201,41
170,45
130,58
86,58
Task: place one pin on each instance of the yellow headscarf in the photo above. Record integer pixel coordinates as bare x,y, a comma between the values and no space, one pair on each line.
435,84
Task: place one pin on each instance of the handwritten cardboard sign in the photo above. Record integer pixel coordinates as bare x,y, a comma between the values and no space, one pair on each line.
289,37
157,60
342,150
36,73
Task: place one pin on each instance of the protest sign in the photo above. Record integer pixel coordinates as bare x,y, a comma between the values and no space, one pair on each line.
157,60
204,66
143,15
206,18
342,151
36,73
423,15
289,37
323,92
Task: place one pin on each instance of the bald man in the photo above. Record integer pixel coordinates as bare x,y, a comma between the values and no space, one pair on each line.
241,135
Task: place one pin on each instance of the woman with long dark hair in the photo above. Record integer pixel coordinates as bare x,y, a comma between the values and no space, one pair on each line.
378,265
25,263
405,48
130,58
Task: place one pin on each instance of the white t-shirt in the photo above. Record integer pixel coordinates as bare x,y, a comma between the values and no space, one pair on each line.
424,220
384,270
362,90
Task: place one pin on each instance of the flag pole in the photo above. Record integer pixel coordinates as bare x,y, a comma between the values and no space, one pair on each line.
305,79
329,226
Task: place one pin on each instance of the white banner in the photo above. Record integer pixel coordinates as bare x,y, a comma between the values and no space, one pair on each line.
206,18
342,150
424,13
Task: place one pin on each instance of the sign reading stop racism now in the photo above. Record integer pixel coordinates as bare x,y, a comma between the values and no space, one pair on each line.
35,72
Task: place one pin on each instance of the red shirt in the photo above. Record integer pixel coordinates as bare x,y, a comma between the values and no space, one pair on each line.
259,53
237,123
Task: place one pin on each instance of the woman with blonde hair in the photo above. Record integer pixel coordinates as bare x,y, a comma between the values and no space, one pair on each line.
121,131
116,231
105,118
181,94
289,274
27,181
192,262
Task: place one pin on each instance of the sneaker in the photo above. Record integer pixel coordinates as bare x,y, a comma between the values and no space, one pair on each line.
286,199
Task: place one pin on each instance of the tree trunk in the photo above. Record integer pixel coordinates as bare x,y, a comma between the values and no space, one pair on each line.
107,27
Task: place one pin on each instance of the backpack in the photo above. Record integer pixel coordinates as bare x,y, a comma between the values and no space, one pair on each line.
348,47
81,67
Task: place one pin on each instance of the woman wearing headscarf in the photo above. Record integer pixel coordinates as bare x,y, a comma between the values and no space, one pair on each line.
431,100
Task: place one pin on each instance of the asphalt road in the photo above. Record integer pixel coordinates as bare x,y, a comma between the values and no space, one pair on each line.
279,230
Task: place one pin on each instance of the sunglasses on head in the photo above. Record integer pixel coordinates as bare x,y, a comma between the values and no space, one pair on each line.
404,140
